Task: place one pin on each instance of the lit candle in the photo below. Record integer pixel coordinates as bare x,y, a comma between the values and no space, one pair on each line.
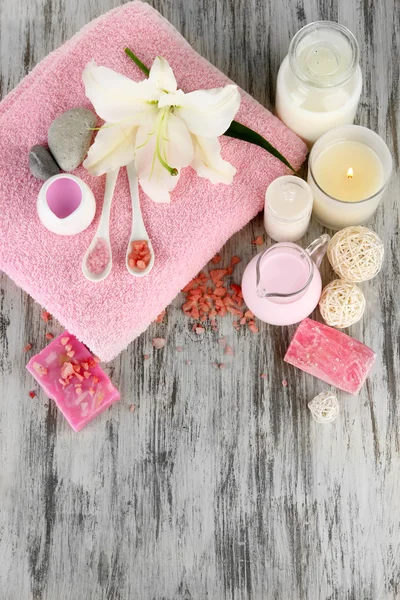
349,168
288,205
319,82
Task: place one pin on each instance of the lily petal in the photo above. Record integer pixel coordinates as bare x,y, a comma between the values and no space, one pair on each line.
118,99
169,140
208,161
162,76
113,147
209,112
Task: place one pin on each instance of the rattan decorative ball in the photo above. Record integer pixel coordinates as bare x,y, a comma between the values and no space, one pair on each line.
356,253
342,303
324,407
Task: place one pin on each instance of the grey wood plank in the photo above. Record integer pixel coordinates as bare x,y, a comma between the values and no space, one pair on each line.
219,485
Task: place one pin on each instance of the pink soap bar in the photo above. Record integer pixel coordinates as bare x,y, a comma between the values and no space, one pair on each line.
330,355
71,376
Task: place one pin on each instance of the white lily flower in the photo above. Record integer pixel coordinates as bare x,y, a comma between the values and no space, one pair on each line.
159,126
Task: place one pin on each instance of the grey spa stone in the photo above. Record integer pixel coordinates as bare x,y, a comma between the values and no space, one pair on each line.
42,164
70,135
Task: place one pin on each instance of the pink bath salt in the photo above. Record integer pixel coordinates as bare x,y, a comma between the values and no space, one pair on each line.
146,356
199,330
221,365
253,327
188,362
28,347
222,342
179,349
263,376
140,255
46,316
64,341
79,398
258,241
158,343
32,394
284,383
330,355
229,351
99,257
216,259
49,336
160,317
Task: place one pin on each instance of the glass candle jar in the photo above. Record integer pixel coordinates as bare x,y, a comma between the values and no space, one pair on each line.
319,82
348,171
288,206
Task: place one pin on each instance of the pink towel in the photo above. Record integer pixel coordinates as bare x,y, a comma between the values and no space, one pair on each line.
107,316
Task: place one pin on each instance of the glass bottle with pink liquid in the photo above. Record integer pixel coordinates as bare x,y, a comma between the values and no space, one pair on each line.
282,285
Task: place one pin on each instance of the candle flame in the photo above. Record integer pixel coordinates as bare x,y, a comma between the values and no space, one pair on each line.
350,173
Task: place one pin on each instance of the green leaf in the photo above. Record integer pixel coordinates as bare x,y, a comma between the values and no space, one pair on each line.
241,132
137,61
236,130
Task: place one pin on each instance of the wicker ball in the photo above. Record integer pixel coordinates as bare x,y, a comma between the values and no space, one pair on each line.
324,407
356,253
342,303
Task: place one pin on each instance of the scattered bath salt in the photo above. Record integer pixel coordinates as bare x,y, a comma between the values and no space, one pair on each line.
222,342
146,356
253,327
49,336
64,341
189,362
216,259
46,316
229,351
258,241
32,394
179,349
199,330
221,365
140,255
263,376
248,314
215,364
209,296
132,408
99,257
96,360
158,343
160,317
28,347
284,382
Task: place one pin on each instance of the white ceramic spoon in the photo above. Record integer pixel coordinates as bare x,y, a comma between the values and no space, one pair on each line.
103,231
139,232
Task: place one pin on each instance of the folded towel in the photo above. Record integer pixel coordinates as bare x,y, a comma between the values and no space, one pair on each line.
107,316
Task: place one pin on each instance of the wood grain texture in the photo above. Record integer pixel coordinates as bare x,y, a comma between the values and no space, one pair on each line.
219,485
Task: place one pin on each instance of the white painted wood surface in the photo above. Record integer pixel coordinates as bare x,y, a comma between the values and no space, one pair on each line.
219,485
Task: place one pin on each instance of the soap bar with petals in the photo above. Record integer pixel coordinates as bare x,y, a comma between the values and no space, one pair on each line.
72,377
330,355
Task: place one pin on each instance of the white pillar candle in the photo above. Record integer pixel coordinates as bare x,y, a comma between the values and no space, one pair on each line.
348,171
288,205
319,82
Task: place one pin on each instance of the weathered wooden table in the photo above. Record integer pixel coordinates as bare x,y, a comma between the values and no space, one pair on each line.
219,485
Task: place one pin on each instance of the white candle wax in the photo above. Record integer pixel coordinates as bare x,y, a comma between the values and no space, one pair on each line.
349,171
319,82
349,168
288,205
